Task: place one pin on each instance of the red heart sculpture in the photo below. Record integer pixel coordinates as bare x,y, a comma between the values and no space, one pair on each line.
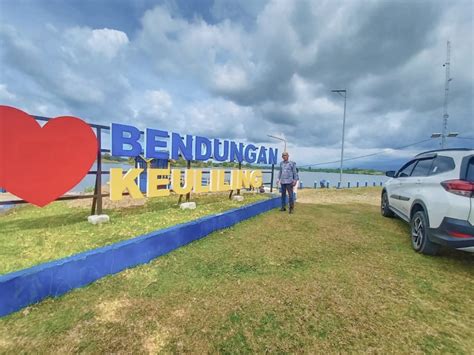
39,164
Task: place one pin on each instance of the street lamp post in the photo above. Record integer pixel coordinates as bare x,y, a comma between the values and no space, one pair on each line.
444,136
343,93
279,138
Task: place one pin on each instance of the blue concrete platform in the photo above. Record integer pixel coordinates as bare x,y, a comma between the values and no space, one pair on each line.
28,286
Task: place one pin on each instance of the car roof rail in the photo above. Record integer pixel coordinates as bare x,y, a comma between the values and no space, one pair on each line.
443,150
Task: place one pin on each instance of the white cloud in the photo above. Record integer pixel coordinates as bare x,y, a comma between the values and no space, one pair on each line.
229,78
107,42
219,118
207,52
81,89
258,68
159,99
155,107
74,71
5,95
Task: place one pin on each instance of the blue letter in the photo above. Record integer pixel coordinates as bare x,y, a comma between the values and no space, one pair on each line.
250,157
177,145
236,153
119,140
199,155
262,156
224,156
272,156
151,143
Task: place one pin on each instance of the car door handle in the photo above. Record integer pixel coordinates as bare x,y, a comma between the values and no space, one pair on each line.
418,182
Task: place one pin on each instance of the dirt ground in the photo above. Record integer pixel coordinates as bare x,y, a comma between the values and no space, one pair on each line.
365,195
127,201
106,203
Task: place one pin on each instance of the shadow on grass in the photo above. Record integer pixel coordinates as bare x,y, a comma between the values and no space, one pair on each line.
444,252
457,255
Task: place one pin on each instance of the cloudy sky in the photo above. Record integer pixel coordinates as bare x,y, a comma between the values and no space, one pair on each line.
245,69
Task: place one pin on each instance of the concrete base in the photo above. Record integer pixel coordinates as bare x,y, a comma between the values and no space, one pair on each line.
188,206
238,198
98,219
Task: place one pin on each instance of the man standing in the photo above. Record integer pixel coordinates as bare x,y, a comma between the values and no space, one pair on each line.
287,178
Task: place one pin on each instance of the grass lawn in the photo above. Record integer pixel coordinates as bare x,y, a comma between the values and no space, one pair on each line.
30,235
330,278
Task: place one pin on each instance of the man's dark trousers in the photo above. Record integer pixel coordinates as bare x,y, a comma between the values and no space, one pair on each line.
289,188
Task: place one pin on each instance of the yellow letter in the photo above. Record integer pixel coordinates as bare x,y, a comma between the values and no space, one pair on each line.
222,186
198,187
155,179
256,178
119,183
245,178
214,181
235,180
188,181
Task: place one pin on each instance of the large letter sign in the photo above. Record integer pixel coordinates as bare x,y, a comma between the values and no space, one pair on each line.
126,142
162,145
39,164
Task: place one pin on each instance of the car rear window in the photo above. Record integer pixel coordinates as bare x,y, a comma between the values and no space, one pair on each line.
423,168
470,170
442,164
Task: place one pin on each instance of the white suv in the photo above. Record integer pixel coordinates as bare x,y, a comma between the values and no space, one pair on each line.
434,193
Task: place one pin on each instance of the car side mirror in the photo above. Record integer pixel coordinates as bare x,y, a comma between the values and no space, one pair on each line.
390,173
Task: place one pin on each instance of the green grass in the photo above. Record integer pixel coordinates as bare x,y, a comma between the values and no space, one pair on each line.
30,235
330,278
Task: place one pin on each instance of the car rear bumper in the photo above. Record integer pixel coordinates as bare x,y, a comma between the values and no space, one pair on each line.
454,233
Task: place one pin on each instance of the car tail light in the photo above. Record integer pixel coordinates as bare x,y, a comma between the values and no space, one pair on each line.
460,235
459,187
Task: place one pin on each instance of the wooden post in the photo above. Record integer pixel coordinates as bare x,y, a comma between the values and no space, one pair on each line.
97,199
271,179
188,195
99,172
94,199
238,190
240,168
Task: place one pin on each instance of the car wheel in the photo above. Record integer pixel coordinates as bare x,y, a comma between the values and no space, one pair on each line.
420,235
384,206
